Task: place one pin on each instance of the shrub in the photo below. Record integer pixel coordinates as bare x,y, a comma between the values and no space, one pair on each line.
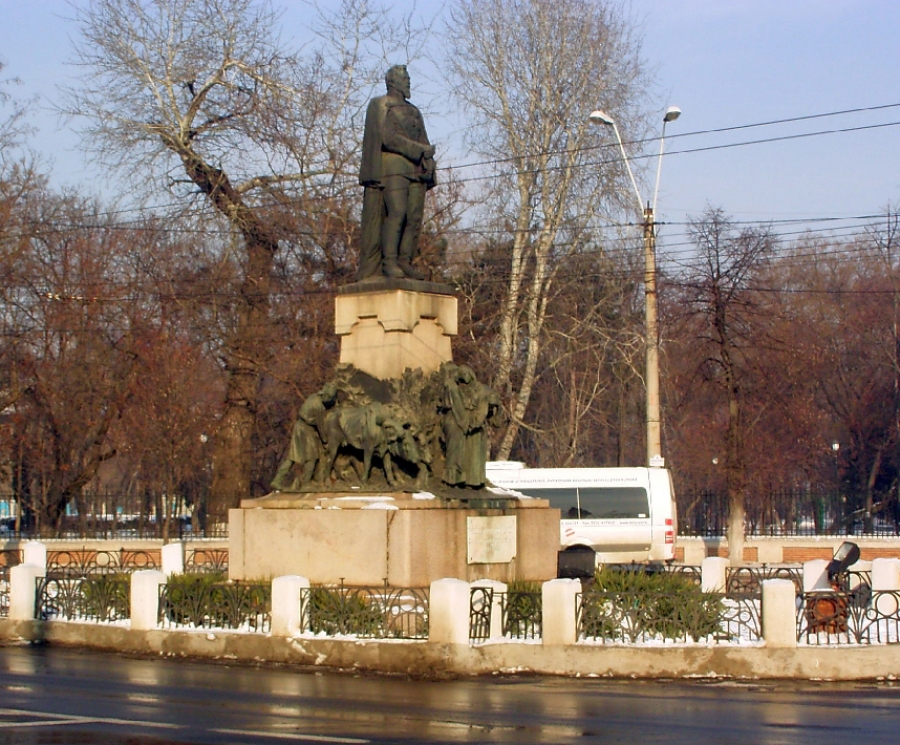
635,604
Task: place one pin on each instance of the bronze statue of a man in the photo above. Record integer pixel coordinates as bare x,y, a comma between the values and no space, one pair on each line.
397,169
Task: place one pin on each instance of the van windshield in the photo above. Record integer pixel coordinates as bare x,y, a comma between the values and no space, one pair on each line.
595,503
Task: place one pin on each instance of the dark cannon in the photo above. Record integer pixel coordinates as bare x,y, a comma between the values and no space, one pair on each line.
827,610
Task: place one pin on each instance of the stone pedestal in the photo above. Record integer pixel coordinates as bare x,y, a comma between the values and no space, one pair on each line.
388,325
408,541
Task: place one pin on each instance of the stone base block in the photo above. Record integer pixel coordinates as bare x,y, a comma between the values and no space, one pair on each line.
408,542
384,331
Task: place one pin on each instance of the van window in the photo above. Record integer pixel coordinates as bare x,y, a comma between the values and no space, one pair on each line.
608,503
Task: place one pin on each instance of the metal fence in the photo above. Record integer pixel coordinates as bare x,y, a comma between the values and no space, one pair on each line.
200,602
859,616
521,613
788,512
8,559
206,561
747,580
109,533
88,561
4,592
653,617
83,562
103,598
365,612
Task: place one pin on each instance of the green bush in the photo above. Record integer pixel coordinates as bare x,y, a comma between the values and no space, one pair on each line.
634,604
106,597
209,600
344,610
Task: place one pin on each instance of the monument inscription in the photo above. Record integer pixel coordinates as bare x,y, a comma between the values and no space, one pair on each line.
491,540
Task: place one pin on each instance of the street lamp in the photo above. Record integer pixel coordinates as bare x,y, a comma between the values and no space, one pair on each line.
654,440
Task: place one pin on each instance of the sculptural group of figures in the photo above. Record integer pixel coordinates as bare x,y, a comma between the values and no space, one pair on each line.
440,430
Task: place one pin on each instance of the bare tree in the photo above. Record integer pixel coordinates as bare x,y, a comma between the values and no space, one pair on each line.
206,88
725,317
73,308
530,72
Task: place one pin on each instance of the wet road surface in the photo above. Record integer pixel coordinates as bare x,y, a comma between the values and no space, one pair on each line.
74,697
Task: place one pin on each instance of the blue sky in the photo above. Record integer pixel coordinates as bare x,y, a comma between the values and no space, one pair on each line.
725,63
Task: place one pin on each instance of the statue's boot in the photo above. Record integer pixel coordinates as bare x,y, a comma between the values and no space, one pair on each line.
389,266
409,271
405,262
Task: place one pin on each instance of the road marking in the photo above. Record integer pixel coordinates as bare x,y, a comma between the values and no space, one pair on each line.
51,719
285,736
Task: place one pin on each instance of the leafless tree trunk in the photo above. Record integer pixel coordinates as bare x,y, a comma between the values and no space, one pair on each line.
259,132
530,72
718,294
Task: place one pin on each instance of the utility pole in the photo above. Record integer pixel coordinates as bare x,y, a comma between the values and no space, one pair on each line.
654,440
651,343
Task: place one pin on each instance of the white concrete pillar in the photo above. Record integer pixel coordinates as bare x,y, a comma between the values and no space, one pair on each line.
286,618
22,591
714,574
34,553
815,575
559,598
145,599
779,613
885,579
886,574
855,570
448,612
173,558
496,610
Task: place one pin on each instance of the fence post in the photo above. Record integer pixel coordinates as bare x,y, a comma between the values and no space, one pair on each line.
714,574
885,579
559,598
145,599
499,588
779,613
173,558
815,575
448,612
34,553
286,617
22,591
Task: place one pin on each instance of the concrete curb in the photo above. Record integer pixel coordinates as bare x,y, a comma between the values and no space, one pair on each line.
425,659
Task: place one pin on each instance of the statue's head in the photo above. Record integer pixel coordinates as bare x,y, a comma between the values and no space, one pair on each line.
465,374
398,77
329,392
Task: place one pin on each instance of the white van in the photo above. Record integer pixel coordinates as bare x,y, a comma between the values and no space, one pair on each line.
624,514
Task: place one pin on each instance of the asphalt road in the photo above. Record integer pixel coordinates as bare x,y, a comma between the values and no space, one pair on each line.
64,696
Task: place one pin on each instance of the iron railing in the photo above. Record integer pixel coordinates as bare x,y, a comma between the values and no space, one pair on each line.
206,561
103,598
84,562
861,616
365,612
747,580
788,512
648,617
198,602
8,559
4,592
521,613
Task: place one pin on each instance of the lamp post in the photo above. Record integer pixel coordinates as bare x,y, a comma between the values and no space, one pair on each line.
654,440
